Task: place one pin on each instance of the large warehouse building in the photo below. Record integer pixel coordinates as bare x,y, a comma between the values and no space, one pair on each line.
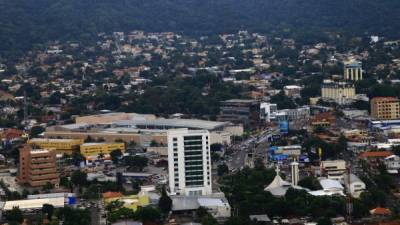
141,129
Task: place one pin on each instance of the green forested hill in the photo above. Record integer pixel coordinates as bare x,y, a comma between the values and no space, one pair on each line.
23,22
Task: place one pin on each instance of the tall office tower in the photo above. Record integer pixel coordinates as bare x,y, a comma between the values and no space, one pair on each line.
189,162
295,173
353,70
37,167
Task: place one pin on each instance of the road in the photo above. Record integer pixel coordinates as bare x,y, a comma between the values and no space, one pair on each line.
96,212
245,153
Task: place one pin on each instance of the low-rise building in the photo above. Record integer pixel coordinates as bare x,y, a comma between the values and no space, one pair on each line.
90,149
325,119
217,205
300,113
292,90
356,185
240,111
130,201
66,146
392,163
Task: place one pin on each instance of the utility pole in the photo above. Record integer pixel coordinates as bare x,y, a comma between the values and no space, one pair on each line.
349,205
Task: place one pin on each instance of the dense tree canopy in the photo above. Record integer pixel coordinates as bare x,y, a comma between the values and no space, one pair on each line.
27,22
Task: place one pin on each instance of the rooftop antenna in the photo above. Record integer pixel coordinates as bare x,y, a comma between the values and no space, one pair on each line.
25,112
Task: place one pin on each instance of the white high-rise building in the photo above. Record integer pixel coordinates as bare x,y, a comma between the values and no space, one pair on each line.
189,162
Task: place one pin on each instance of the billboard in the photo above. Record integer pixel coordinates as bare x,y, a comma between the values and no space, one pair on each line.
284,127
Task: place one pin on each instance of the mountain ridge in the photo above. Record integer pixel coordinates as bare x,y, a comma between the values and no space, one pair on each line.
26,22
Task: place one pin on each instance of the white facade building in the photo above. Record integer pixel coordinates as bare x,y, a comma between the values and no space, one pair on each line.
267,111
189,162
392,164
334,169
356,186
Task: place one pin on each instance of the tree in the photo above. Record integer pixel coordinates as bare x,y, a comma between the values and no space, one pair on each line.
92,192
396,150
165,202
78,178
222,169
15,215
89,139
64,181
48,186
136,162
48,210
72,216
311,183
154,143
148,214
324,221
342,144
36,130
114,205
77,157
120,214
115,155
100,156
216,147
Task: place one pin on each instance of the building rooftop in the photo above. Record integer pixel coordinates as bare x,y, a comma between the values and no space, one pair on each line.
172,123
240,101
39,151
376,154
98,143
51,139
34,203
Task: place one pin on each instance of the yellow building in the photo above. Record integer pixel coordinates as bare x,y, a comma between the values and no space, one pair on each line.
66,146
89,149
130,201
340,92
385,108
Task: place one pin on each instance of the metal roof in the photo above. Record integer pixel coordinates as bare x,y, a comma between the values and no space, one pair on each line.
34,203
173,123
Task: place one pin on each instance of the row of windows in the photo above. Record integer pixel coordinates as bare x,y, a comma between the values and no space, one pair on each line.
188,138
192,168
193,163
189,173
188,148
194,153
188,158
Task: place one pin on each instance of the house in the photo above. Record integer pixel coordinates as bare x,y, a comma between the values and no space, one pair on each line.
392,163
379,211
262,219
375,156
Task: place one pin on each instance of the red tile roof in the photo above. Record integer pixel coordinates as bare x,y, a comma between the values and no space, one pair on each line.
111,194
380,154
380,211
